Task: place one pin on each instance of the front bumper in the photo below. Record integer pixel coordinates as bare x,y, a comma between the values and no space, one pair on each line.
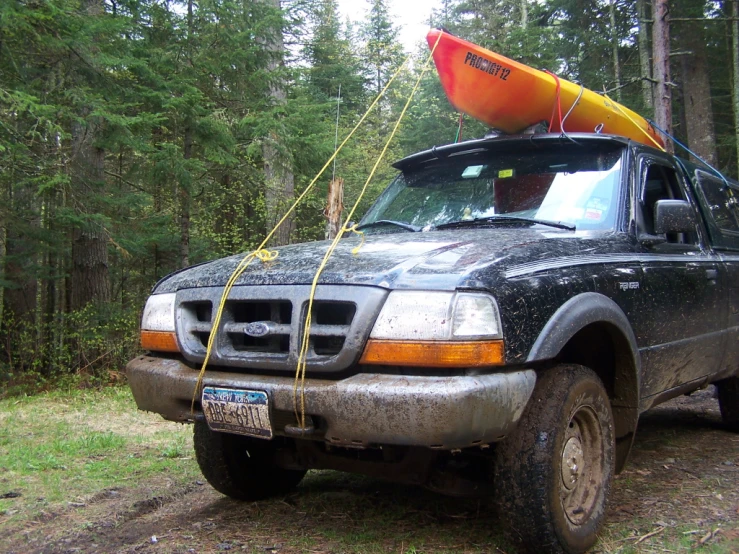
362,410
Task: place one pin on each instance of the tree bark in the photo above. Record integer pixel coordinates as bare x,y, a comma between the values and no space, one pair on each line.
696,89
89,267
334,207
644,60
49,288
524,13
89,279
19,258
3,253
183,190
185,201
661,59
227,218
614,47
735,88
278,173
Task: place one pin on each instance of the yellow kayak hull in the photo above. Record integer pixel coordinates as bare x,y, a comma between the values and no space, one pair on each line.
510,96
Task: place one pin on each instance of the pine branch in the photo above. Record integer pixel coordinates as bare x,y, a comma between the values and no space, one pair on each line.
129,183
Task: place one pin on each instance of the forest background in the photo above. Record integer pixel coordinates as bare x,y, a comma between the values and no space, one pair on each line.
138,137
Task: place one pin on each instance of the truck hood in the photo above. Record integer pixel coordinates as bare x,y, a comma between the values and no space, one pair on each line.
436,260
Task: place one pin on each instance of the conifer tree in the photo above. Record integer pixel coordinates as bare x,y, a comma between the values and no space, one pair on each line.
383,52
331,61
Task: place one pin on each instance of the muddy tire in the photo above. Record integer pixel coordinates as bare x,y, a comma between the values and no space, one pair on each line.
728,401
242,467
553,473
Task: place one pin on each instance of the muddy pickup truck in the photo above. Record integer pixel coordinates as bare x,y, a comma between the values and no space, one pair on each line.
514,306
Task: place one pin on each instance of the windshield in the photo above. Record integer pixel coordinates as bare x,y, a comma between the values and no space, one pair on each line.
576,186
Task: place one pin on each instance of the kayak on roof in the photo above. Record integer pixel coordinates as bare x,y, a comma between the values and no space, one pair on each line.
511,97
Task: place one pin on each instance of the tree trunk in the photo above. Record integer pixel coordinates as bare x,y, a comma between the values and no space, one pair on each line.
334,207
3,253
696,89
184,194
614,47
89,266
278,173
661,58
524,13
90,280
183,190
644,61
49,287
89,277
20,258
735,88
227,218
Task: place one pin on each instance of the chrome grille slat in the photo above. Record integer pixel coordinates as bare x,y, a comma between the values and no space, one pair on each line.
342,318
329,330
240,327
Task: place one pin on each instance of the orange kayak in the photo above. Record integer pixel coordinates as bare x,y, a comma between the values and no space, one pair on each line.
510,96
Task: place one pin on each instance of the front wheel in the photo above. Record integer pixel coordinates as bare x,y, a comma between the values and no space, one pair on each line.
242,467
553,473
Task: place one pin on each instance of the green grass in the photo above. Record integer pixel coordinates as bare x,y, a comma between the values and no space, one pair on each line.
62,447
82,460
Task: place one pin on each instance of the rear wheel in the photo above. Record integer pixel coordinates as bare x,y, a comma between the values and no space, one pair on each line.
553,473
728,401
242,467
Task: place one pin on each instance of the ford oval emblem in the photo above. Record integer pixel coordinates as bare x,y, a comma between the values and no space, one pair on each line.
257,329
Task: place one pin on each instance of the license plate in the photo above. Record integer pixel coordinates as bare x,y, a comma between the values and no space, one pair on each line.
244,412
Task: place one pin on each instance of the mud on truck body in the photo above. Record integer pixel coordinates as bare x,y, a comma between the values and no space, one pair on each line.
516,304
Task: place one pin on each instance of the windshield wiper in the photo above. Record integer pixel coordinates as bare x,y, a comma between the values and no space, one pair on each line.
502,219
406,226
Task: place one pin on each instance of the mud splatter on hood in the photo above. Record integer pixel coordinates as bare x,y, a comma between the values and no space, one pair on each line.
441,260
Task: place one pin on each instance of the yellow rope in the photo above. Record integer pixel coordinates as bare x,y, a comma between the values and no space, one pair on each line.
650,137
267,255
302,358
354,229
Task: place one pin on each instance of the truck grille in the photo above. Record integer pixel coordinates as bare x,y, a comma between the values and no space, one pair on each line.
261,326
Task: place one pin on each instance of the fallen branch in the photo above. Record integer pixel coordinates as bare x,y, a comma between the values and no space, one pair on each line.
648,535
708,536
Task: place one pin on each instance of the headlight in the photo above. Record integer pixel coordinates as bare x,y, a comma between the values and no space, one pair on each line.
436,329
157,324
429,315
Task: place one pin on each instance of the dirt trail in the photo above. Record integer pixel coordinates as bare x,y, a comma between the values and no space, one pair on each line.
683,474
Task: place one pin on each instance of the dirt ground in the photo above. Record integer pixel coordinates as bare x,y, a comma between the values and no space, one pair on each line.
680,492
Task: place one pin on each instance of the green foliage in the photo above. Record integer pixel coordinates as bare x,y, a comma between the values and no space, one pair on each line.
97,341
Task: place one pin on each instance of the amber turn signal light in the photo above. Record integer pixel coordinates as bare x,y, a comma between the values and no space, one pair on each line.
434,353
159,341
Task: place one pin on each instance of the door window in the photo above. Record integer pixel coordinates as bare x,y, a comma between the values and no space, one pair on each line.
661,183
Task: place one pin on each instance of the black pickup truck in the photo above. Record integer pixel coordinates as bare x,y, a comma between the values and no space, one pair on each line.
514,306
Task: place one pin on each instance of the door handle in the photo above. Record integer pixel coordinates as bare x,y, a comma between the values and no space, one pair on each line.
711,274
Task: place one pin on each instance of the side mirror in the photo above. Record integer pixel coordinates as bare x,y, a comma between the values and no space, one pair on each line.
673,216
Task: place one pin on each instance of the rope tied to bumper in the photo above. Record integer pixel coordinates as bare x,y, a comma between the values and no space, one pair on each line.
305,345
268,255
